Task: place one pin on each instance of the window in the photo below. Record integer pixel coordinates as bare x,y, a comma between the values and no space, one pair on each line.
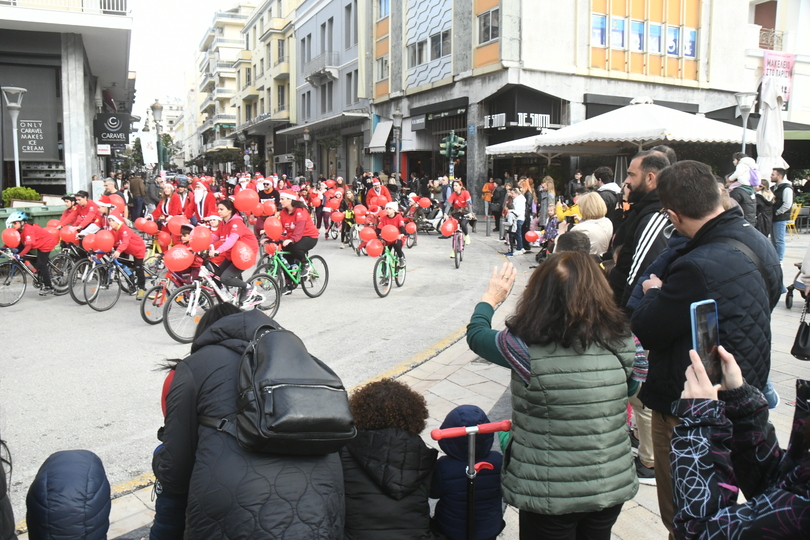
323,38
489,26
349,87
309,104
355,92
326,97
382,69
385,8
347,32
617,35
637,36
281,52
598,31
673,41
281,101
330,34
417,53
447,47
655,45
354,23
247,77
303,52
247,42
261,110
269,55
440,45
689,42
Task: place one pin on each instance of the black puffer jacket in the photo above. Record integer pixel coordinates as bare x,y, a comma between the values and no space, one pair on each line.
387,477
233,493
706,268
744,195
69,498
6,514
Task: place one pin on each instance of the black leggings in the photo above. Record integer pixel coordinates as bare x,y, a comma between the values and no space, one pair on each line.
140,277
298,250
41,264
462,222
397,246
230,275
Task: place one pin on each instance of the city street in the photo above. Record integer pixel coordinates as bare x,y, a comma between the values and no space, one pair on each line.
75,378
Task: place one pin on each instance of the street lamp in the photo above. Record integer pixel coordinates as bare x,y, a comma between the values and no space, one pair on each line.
13,96
157,114
306,150
397,133
745,102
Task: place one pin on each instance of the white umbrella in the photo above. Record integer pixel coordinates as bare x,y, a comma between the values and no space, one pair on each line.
525,145
771,131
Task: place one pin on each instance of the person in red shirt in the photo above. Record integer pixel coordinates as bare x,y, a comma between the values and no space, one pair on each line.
205,203
244,183
460,204
89,218
393,217
182,200
34,237
268,193
377,190
164,208
232,230
126,241
299,232
71,211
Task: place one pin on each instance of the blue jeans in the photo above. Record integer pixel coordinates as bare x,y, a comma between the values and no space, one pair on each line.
520,234
778,238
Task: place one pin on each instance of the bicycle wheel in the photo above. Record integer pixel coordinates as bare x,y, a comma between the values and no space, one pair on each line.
315,282
382,277
267,287
399,275
354,238
456,251
183,311
128,283
12,283
411,240
60,267
78,275
101,290
153,266
271,269
153,302
334,230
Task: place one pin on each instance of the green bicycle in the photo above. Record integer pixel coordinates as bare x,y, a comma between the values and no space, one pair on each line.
387,269
313,283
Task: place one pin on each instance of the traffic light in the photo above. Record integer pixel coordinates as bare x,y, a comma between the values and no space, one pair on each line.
459,147
446,146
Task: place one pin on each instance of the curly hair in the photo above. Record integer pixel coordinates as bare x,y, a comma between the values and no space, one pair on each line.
388,404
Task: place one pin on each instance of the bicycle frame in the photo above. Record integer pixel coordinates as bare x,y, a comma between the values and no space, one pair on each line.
279,261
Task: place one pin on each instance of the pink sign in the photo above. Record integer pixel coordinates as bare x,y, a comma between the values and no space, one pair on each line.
779,65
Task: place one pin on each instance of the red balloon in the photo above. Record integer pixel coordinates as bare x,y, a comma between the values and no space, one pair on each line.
150,227
360,210
53,223
119,203
273,228
367,234
360,220
252,220
330,183
315,202
11,238
259,210
178,258
246,200
337,217
448,228
242,256
200,238
88,242
69,235
54,232
531,236
175,222
389,233
374,209
270,248
374,248
329,193
164,240
410,228
424,202
140,222
334,204
269,207
105,240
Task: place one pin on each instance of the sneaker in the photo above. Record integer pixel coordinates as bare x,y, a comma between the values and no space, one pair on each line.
45,291
304,271
467,239
508,254
452,254
287,292
342,246
519,252
527,250
646,475
140,295
401,262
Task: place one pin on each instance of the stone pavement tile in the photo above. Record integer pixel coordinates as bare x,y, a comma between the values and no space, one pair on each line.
408,378
123,526
438,407
511,531
637,522
422,386
453,392
442,373
465,377
145,496
498,374
127,506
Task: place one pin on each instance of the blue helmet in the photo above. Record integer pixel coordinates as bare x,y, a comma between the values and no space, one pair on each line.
15,216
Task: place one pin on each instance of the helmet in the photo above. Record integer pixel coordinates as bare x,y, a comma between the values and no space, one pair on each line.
182,181
16,216
69,197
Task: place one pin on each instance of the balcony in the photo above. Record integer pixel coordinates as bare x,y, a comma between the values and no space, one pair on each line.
217,144
282,111
207,103
322,68
96,7
770,39
207,81
249,93
281,69
223,119
273,26
224,93
224,42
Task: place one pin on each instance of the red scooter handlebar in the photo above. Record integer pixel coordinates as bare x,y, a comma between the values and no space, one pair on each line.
449,433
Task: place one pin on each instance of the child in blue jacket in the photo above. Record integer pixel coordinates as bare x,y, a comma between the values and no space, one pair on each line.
449,483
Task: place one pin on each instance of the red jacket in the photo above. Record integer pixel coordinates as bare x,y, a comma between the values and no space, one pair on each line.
35,237
459,200
175,207
126,241
88,214
205,207
397,221
298,224
236,225
69,216
250,185
383,193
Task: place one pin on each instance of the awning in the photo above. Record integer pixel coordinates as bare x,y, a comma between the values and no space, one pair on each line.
380,136
524,146
415,141
345,118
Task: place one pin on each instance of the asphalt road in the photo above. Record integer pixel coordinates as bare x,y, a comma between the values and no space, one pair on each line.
74,378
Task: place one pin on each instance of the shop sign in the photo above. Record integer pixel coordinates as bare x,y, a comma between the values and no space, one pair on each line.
32,138
445,114
103,150
418,123
779,66
495,121
112,128
522,119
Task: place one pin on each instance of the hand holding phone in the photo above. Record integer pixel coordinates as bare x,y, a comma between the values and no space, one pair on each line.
706,337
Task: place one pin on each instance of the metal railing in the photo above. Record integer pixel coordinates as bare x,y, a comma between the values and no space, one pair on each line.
770,39
227,143
103,7
281,108
322,61
282,59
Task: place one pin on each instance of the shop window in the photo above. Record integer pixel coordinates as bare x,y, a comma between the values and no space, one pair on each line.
655,45
489,26
618,39
673,41
637,36
690,42
598,31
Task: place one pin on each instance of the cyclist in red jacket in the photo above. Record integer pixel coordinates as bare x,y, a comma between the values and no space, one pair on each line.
393,217
460,204
126,241
34,237
300,234
89,218
68,217
232,230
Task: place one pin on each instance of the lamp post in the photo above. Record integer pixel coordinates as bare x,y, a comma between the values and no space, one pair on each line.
745,102
306,151
397,133
157,114
13,96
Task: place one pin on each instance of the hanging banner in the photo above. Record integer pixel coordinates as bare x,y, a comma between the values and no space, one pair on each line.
149,146
779,66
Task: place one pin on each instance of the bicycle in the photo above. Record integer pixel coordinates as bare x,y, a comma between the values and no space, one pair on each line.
387,267
79,273
313,283
153,260
14,275
102,287
155,298
457,242
187,304
64,262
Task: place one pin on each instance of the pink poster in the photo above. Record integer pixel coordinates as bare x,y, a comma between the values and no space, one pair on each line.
779,65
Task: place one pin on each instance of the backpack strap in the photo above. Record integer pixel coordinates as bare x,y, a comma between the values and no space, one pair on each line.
228,425
749,253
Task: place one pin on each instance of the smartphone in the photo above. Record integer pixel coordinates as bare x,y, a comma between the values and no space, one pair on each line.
706,337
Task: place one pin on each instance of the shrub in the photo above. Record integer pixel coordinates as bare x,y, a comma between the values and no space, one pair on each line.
21,193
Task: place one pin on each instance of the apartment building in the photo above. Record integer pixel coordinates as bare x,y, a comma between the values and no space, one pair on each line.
72,57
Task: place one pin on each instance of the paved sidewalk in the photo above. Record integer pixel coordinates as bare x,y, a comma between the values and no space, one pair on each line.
455,376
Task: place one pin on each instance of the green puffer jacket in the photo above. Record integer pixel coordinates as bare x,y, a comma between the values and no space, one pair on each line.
569,450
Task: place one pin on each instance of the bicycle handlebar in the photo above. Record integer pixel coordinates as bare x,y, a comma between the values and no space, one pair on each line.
450,433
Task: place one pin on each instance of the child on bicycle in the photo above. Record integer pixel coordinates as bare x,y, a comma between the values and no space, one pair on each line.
393,217
34,237
347,207
460,204
192,271
126,241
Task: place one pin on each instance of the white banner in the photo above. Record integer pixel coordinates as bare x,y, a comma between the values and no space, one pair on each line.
149,146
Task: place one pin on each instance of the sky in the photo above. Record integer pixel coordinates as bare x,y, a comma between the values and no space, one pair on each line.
166,35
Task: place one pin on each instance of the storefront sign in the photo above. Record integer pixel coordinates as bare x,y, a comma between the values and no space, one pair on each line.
492,121
445,114
779,65
37,133
418,123
533,120
103,150
112,128
32,138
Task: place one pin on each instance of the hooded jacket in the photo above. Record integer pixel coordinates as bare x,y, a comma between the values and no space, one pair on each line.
233,493
449,483
69,498
6,513
387,476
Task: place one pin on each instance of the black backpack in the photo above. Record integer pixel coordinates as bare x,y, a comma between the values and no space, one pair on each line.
289,401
